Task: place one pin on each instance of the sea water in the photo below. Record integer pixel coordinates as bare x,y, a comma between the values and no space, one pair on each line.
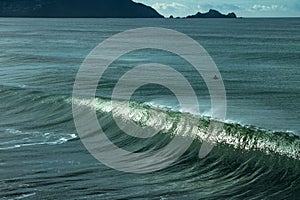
42,157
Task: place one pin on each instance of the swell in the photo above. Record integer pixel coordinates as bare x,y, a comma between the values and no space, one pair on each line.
30,118
164,120
26,109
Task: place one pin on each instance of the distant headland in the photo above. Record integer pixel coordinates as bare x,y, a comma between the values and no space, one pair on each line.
76,9
88,9
212,14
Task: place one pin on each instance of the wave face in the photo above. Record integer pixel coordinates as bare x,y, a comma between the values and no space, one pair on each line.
166,120
42,156
248,138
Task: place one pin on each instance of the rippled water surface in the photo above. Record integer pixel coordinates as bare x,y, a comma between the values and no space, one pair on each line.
256,155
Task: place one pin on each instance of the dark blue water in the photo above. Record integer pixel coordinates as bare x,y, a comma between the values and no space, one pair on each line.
257,157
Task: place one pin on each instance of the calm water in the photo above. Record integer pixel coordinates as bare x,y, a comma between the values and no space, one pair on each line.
42,157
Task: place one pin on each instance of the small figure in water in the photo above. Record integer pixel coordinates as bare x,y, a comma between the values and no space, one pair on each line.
216,78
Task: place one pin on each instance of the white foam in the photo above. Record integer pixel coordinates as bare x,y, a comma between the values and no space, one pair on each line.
25,195
34,138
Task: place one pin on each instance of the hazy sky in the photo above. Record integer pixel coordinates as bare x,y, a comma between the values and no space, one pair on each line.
243,8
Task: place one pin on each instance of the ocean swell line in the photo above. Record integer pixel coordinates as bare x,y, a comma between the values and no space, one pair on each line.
164,120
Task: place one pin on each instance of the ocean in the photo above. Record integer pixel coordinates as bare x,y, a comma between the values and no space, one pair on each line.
255,156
